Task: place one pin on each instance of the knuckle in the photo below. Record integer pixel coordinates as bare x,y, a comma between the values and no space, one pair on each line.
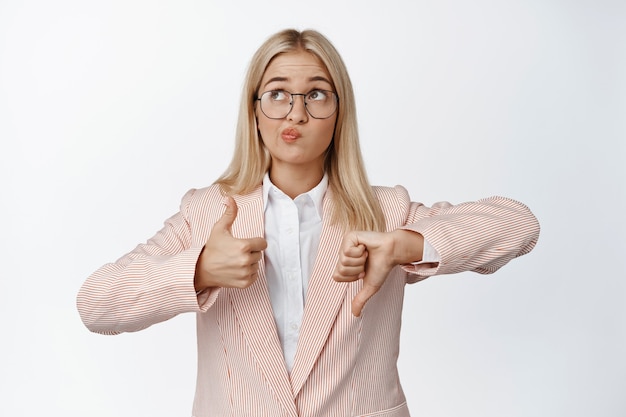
242,283
248,281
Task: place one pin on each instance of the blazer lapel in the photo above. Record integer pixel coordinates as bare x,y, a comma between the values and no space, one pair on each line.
323,300
253,309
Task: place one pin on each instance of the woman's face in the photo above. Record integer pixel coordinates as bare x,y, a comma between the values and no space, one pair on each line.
297,140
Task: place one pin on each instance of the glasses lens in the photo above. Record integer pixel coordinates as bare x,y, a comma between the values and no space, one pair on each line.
276,104
321,104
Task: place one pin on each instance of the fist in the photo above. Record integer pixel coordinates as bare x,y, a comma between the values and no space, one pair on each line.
370,256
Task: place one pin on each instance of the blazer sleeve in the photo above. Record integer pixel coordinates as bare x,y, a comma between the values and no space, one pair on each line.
153,283
480,236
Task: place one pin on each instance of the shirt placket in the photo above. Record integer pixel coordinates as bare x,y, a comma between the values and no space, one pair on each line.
291,274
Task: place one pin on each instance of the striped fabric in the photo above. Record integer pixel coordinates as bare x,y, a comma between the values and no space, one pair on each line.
344,365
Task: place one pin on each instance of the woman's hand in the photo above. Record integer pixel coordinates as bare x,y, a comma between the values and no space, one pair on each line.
370,256
226,261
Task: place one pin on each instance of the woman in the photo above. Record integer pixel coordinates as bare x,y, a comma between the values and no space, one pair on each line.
294,264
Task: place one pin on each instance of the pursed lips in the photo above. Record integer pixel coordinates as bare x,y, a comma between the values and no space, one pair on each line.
290,134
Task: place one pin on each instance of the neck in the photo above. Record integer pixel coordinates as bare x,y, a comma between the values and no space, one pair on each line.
294,182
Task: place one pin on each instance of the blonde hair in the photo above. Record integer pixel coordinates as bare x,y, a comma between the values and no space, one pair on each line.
355,204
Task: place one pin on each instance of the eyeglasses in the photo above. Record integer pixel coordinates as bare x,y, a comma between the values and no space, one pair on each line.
277,104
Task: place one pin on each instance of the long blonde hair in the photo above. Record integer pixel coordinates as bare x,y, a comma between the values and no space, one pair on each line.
355,204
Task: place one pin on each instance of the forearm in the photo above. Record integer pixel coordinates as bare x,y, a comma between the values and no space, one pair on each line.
479,236
125,297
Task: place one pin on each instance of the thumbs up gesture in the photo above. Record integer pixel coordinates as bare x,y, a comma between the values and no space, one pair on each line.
226,261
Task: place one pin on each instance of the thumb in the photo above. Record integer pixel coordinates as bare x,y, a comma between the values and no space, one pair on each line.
229,215
362,297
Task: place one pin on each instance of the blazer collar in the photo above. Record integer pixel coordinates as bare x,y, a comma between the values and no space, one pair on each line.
324,298
254,311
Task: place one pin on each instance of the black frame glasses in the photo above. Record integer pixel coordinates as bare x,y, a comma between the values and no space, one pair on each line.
310,103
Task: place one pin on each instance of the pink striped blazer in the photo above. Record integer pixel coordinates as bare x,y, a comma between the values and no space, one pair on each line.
344,365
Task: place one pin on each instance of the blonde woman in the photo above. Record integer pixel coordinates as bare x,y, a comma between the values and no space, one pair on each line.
293,263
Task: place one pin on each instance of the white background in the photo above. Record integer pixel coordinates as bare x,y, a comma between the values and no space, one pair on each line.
111,110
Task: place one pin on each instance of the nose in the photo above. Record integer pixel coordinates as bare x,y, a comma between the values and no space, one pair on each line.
298,113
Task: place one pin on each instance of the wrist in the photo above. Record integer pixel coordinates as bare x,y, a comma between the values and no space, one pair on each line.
199,276
408,246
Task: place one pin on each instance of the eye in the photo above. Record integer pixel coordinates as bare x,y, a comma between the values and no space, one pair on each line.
318,95
278,95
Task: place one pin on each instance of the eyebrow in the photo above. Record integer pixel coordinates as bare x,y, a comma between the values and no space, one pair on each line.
315,78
